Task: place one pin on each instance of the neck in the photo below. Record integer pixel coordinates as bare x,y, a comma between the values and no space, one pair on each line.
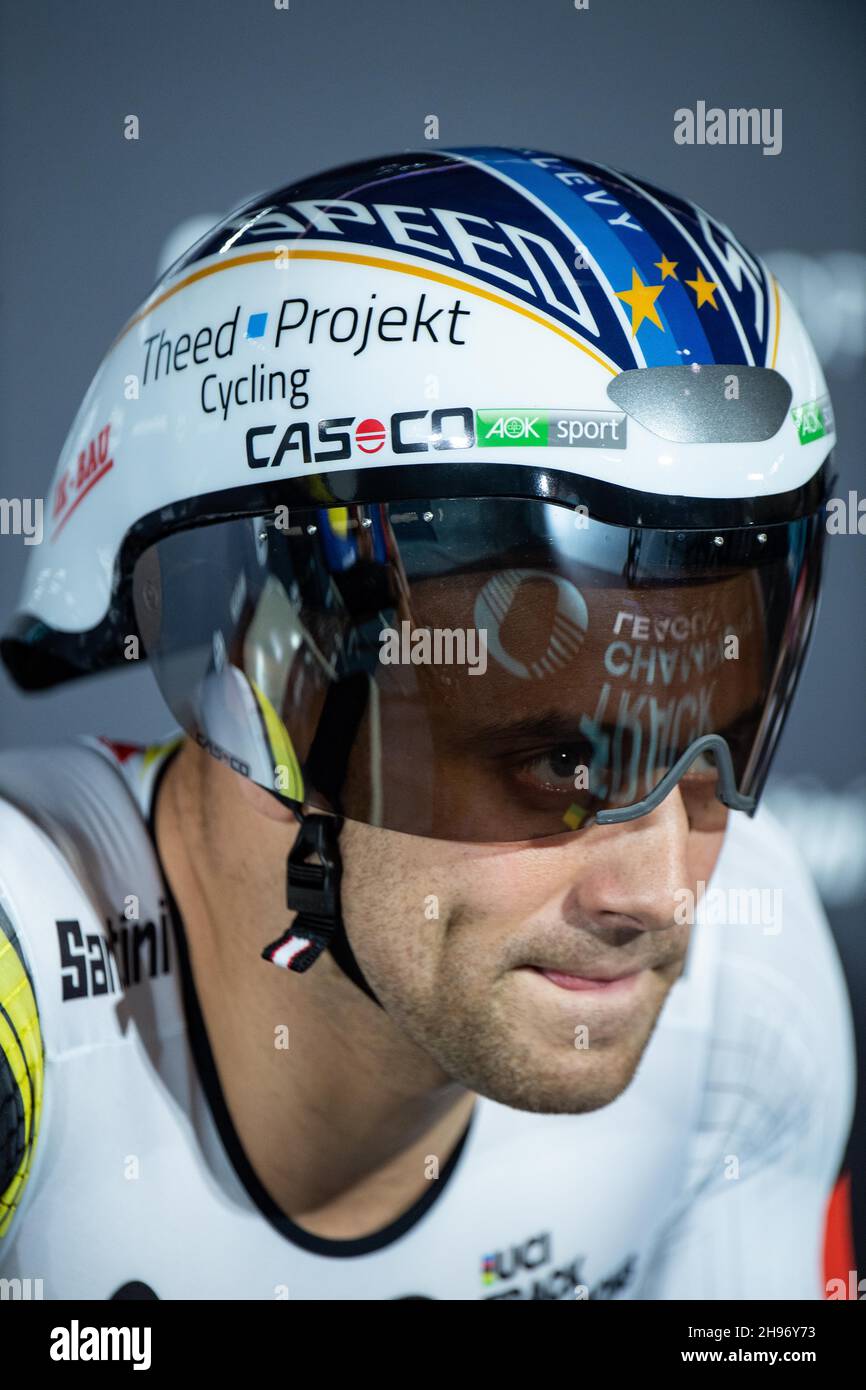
336,1110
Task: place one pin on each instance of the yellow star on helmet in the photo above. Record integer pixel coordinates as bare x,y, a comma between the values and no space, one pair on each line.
666,267
642,299
703,289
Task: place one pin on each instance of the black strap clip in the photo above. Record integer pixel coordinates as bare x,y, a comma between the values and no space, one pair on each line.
313,892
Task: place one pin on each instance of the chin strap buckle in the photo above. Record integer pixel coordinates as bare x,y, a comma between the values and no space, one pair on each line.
313,892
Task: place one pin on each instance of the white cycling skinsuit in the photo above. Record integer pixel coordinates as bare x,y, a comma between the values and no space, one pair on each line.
121,1173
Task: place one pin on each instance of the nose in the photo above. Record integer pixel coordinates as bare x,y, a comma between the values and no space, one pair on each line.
627,875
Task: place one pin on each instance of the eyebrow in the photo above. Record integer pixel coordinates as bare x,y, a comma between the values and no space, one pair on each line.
552,726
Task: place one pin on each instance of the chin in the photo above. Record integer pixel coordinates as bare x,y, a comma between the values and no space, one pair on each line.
591,1084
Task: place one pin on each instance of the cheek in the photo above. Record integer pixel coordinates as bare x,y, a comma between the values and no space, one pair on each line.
703,853
420,888
504,882
487,889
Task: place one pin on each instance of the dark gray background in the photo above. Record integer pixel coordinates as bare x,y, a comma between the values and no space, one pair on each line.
234,96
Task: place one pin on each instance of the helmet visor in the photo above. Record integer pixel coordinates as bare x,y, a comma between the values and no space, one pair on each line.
481,669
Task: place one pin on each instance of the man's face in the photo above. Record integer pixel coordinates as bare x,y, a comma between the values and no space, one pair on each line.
454,939
530,958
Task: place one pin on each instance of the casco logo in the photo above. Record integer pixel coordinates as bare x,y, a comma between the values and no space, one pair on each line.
411,432
449,427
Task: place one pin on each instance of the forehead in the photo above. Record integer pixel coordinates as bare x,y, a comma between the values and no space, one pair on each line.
564,643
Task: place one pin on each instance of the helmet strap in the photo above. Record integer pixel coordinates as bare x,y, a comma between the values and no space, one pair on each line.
313,893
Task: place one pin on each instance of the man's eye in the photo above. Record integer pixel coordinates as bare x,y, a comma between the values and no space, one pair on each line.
556,769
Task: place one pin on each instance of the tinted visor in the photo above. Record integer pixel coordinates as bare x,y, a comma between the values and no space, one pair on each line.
480,669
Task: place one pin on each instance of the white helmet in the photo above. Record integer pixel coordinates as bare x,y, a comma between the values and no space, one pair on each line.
523,406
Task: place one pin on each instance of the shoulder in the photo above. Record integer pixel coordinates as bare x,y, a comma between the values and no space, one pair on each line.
77,860
78,786
84,806
778,1078
67,832
83,926
68,826
81,886
781,1058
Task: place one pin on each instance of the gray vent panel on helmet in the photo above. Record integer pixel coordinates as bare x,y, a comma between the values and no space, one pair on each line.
709,404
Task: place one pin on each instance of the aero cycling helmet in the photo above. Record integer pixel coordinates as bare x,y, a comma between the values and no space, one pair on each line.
476,494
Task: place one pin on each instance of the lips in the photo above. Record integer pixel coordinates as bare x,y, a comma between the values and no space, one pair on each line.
603,983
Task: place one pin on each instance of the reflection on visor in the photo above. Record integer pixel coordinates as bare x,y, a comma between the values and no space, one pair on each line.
481,669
